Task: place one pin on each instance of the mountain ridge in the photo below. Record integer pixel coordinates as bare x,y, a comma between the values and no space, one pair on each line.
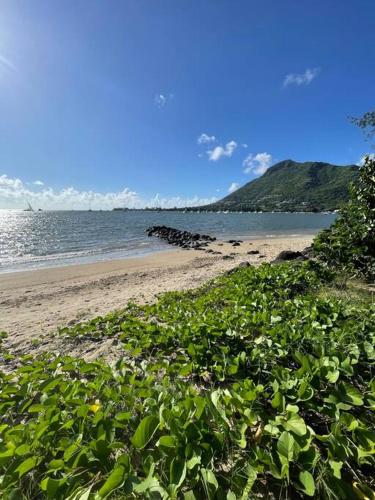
290,186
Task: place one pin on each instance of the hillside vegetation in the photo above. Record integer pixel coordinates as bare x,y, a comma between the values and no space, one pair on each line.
293,186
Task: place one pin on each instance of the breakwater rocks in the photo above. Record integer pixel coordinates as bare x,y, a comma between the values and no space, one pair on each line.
182,239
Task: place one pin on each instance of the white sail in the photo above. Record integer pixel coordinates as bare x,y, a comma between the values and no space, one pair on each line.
29,208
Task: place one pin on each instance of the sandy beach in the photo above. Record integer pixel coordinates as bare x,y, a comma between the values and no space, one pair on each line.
34,304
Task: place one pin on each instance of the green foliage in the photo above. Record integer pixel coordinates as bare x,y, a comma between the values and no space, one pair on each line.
349,243
293,186
367,123
252,386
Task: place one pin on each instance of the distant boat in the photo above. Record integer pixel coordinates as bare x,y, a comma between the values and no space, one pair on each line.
29,208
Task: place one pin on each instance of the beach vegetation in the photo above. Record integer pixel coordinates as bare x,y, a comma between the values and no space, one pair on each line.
349,244
259,384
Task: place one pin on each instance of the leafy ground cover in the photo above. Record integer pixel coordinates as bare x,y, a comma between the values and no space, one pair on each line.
256,385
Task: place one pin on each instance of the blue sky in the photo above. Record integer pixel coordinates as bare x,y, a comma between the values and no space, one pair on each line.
111,97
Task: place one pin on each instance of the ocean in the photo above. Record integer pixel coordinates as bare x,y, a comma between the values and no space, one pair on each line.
32,240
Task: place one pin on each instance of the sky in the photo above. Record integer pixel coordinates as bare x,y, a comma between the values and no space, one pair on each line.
175,102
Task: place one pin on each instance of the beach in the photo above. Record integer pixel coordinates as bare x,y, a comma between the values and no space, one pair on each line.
35,304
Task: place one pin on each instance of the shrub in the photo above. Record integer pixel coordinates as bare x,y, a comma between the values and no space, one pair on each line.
349,244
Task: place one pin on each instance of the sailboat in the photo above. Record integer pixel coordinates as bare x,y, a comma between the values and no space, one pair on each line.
29,208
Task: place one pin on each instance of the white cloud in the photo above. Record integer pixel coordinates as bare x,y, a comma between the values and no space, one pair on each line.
220,151
301,78
15,194
257,164
233,187
160,100
38,183
361,162
7,63
206,139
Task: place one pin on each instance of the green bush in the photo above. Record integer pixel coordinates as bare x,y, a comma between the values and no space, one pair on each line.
349,244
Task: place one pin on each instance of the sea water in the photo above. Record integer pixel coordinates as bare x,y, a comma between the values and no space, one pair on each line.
30,240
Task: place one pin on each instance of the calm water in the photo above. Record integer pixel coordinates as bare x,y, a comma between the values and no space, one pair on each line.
48,239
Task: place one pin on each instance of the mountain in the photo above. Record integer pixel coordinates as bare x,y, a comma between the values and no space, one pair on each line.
292,186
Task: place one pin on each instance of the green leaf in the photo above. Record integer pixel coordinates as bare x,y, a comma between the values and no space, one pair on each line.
51,486
186,369
296,424
285,445
278,401
145,430
123,416
210,482
80,494
333,376
336,468
26,466
6,456
352,395
149,483
195,460
251,478
308,482
114,481
292,408
177,471
167,441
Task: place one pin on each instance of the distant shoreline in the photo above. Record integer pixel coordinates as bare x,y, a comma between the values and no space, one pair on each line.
181,210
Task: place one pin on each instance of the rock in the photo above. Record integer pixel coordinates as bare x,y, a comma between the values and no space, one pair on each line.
244,264
253,252
228,257
241,265
290,255
183,239
236,244
308,252
235,241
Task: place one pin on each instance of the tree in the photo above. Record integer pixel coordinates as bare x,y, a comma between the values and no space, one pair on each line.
366,123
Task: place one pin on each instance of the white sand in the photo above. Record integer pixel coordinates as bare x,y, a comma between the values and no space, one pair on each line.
33,304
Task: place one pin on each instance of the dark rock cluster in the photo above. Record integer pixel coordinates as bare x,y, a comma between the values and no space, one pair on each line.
286,255
235,243
182,239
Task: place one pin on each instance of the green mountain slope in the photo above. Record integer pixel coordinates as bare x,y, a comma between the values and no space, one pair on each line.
293,186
